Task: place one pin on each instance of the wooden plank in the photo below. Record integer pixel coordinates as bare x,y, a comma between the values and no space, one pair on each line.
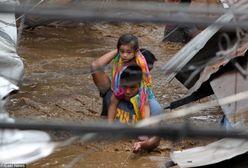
228,84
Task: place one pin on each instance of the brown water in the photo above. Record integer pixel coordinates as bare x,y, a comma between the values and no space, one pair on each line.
57,86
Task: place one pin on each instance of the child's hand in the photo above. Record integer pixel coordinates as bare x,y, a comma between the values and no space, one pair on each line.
137,146
137,53
147,109
112,108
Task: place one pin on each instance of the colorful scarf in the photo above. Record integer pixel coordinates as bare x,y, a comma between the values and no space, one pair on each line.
145,92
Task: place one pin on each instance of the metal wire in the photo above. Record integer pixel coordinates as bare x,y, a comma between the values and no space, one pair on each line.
22,18
170,132
129,12
193,109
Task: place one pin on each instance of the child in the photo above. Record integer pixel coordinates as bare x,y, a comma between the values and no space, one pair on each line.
128,53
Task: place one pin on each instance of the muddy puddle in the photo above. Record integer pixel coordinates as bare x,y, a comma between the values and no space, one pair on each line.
94,158
57,86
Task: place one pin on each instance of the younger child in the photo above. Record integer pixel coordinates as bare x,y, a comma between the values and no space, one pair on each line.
129,53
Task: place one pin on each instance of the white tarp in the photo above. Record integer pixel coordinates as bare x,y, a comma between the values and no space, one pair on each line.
16,146
215,152
11,65
22,147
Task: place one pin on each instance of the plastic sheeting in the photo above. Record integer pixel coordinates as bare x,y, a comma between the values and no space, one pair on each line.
16,146
22,147
212,153
11,65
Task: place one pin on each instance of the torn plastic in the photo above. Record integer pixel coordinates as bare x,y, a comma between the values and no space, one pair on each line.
11,65
22,147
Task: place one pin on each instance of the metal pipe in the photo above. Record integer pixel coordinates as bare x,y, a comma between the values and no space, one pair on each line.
171,132
123,13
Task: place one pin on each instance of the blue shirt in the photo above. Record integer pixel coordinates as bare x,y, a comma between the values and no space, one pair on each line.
125,112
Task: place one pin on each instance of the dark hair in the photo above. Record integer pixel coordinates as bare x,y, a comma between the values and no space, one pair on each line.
185,1
128,39
131,75
149,56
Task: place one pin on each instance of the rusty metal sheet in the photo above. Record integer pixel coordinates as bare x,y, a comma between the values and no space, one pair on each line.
175,64
227,84
211,69
200,50
191,49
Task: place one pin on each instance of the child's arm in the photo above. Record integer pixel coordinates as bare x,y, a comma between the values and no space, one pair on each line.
150,142
104,60
112,108
147,109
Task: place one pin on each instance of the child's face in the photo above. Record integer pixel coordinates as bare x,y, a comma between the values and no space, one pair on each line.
126,52
130,91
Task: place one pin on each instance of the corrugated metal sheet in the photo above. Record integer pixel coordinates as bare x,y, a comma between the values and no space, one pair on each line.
225,80
190,50
200,50
213,68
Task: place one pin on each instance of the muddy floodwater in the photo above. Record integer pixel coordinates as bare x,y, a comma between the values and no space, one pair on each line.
57,86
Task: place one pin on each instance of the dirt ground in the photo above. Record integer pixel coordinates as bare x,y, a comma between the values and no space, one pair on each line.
57,86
